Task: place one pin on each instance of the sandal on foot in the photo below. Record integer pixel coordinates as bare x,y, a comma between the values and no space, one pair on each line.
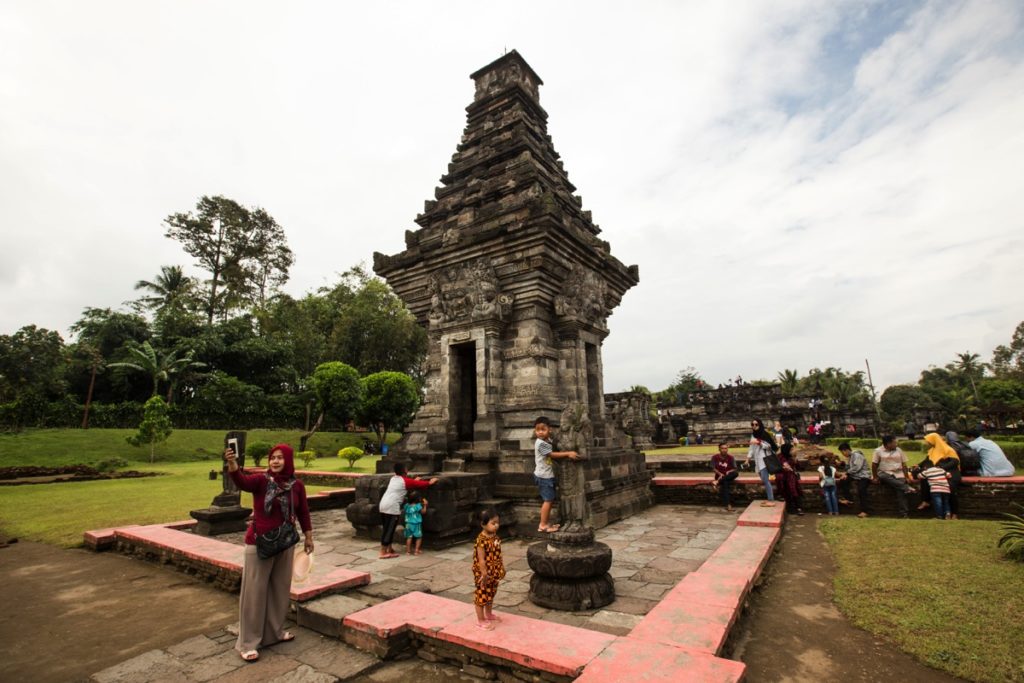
250,655
494,617
388,556
487,626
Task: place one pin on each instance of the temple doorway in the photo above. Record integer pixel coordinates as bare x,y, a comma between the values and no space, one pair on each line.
463,389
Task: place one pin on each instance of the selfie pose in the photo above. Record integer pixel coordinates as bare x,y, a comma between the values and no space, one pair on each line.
278,500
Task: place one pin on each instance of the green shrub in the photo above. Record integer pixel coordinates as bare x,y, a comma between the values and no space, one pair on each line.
111,464
258,450
1012,541
352,454
1014,452
307,457
912,446
866,443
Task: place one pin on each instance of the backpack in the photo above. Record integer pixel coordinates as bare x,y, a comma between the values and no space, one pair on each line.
970,459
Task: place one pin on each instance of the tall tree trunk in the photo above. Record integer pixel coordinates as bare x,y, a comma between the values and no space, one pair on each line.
152,452
305,437
88,397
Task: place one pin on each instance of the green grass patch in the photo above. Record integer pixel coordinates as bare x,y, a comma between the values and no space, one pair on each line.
940,591
59,513
55,447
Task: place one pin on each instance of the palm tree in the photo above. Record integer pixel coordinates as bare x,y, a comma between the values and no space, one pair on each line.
161,367
967,365
170,287
789,380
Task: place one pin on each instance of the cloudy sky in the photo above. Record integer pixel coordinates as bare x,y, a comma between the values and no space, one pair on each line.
801,183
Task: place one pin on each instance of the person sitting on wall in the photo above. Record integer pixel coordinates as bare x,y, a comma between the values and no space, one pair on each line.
889,467
724,466
994,462
857,470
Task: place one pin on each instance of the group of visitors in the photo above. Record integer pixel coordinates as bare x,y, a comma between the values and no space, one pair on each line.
280,504
939,473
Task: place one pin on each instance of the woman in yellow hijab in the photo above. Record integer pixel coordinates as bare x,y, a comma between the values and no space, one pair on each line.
939,450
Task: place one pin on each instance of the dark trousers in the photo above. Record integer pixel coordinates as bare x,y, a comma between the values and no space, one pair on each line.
900,486
388,524
725,486
862,492
953,503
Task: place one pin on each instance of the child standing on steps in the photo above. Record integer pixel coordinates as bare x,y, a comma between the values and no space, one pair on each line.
827,480
415,508
488,569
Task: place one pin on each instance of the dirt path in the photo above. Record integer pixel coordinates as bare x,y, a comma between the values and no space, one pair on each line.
70,613
793,633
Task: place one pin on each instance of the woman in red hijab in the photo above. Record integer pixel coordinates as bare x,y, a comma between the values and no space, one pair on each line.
277,496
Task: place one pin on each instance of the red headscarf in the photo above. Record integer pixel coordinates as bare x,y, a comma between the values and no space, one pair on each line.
287,473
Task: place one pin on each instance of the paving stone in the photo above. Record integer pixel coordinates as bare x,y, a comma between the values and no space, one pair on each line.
514,586
390,589
503,599
617,619
652,591
304,639
652,575
690,554
268,666
674,566
632,605
338,659
304,674
325,615
627,588
210,668
621,571
154,665
195,648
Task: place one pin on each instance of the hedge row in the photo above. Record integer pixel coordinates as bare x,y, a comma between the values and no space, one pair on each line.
268,412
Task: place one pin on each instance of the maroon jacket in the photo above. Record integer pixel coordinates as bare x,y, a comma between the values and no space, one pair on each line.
256,484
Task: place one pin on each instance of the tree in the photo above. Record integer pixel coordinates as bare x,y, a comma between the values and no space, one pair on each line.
686,381
170,288
339,394
102,336
32,362
900,402
390,400
155,426
159,366
1002,399
967,365
1008,360
244,250
374,330
789,381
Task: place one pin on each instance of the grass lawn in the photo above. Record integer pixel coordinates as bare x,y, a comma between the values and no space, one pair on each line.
939,590
59,513
54,447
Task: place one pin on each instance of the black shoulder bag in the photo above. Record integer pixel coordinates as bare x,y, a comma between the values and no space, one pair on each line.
281,538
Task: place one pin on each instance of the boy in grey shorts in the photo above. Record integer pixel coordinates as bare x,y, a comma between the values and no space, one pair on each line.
543,473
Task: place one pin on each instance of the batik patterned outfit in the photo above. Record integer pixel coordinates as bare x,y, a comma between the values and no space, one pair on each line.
486,590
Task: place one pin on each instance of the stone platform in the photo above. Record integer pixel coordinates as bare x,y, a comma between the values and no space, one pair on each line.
696,567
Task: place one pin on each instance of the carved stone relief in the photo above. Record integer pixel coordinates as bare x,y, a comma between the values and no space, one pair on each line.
467,291
583,296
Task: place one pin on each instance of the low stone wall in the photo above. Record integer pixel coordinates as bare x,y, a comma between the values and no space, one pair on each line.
983,497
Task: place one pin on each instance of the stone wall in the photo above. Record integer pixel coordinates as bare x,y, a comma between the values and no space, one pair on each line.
984,498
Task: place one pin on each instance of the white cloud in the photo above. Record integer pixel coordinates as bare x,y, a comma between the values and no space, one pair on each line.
802,184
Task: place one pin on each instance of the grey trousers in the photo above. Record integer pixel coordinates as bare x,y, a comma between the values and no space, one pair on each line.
263,604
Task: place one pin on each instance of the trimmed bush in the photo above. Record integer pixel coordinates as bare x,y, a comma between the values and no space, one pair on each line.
866,443
352,454
307,457
257,450
1014,452
912,446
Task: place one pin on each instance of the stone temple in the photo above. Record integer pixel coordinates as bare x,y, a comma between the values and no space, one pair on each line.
514,286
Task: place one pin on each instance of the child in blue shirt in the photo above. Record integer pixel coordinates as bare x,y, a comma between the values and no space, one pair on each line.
415,508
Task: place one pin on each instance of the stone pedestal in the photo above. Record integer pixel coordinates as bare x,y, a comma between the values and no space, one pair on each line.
455,502
225,514
570,571
216,520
